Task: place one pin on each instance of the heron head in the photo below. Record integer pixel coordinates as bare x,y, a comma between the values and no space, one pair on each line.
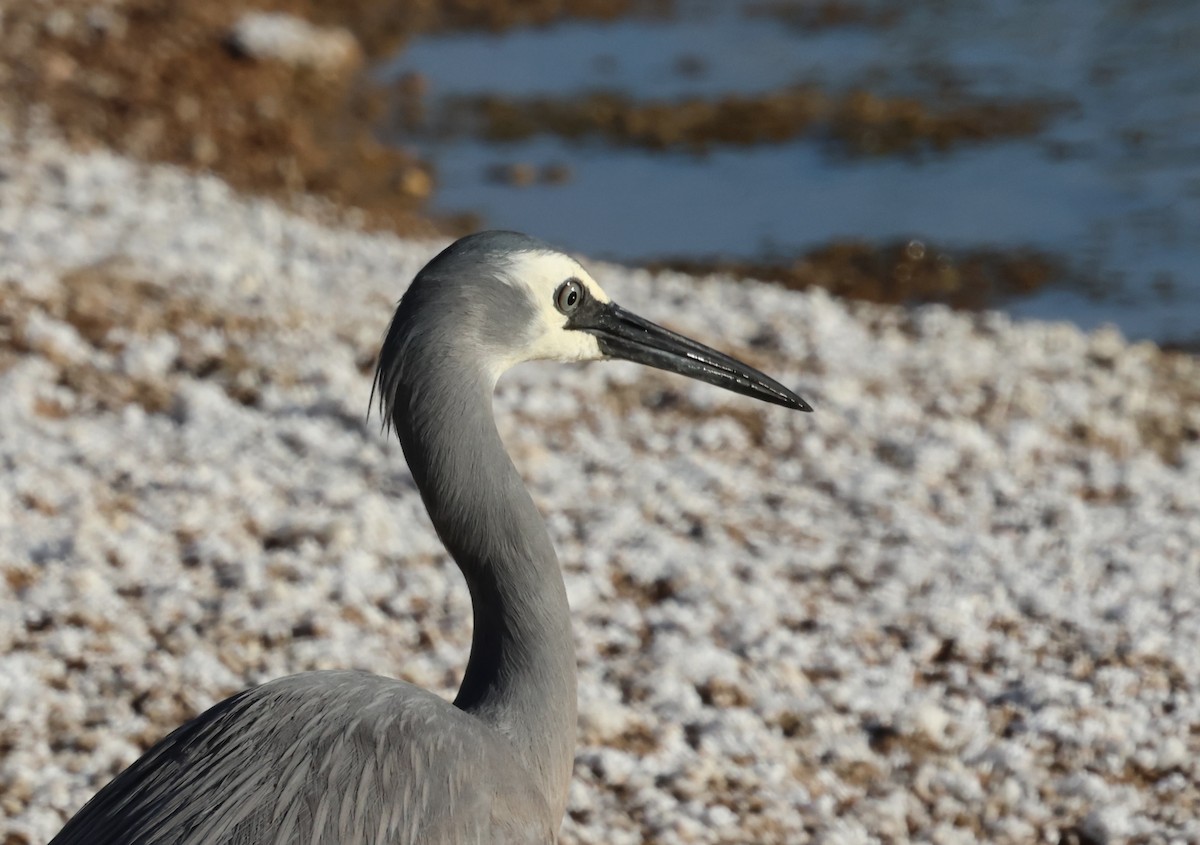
510,298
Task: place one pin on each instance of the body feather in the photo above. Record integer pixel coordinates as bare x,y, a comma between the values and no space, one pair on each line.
321,758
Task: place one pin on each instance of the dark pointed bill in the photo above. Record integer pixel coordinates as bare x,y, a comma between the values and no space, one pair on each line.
623,334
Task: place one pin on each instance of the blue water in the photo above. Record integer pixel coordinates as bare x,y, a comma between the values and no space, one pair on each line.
1111,187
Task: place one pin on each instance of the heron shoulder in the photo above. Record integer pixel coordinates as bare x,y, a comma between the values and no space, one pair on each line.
342,757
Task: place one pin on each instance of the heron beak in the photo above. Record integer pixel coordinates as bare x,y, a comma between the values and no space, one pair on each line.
623,334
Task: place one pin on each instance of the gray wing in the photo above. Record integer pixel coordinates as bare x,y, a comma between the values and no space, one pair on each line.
321,758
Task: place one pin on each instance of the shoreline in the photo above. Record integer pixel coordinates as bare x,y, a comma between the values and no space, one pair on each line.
285,109
296,120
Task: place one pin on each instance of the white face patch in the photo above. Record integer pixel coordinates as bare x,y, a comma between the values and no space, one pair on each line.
542,273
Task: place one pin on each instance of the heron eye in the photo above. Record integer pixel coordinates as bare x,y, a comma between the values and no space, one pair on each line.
568,296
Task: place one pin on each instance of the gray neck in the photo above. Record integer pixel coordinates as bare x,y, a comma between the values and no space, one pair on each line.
520,678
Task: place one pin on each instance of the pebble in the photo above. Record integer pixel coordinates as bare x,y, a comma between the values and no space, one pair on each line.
294,41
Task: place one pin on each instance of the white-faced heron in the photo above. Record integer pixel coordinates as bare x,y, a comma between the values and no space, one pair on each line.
353,758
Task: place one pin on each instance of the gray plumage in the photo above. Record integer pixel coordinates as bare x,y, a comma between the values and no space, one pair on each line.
357,759
322,757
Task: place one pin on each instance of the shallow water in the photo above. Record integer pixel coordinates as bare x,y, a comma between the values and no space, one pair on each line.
1111,187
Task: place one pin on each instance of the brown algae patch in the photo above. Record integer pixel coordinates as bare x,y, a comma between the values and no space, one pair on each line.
904,272
855,123
825,14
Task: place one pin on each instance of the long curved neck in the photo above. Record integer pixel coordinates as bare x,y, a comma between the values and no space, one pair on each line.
520,678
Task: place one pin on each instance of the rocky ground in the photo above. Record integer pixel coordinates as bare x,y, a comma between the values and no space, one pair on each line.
957,603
